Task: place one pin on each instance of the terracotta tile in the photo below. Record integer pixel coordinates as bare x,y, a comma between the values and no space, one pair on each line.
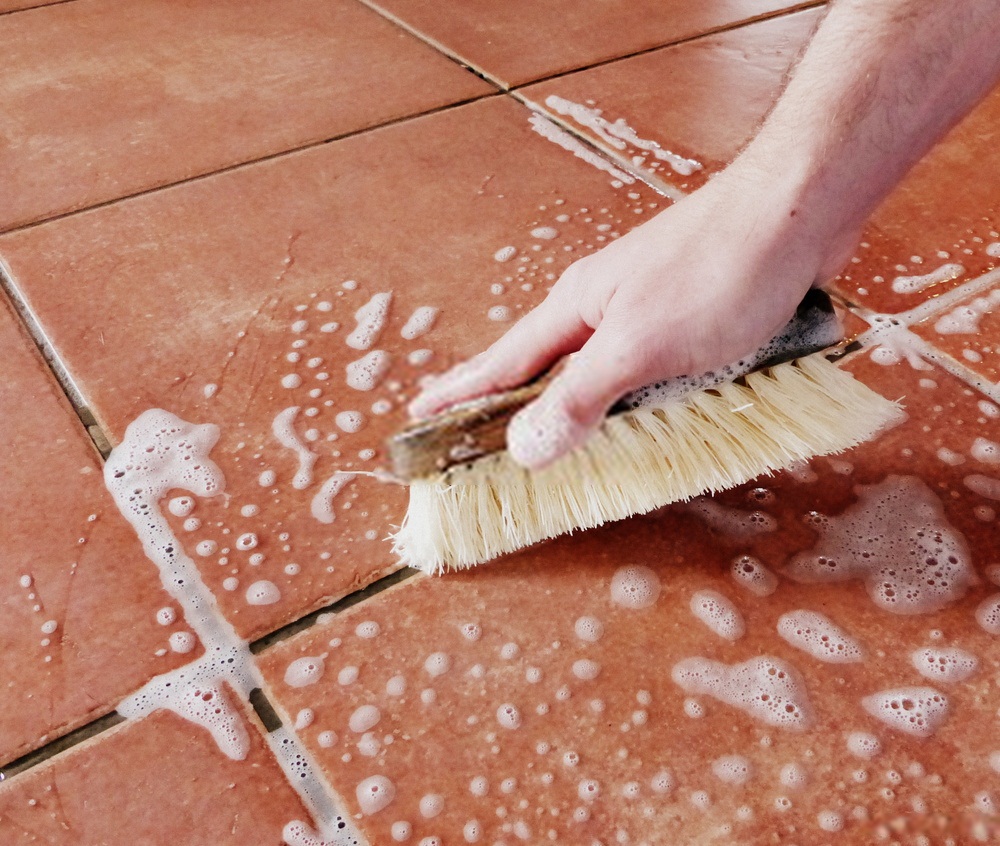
702,99
969,331
717,91
78,627
520,42
429,668
98,104
215,276
159,780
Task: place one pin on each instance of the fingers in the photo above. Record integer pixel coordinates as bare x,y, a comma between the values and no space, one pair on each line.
607,367
545,334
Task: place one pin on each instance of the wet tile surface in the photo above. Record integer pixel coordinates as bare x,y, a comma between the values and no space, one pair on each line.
519,42
158,781
701,100
97,104
568,692
247,285
21,5
969,330
923,240
78,614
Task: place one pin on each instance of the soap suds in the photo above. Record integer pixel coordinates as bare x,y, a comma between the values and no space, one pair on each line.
913,284
913,710
553,133
321,506
718,614
767,689
283,429
820,637
947,665
895,538
371,321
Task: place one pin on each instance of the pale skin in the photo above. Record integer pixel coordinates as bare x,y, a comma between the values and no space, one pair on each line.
717,274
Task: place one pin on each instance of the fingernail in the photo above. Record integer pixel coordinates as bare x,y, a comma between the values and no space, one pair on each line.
542,433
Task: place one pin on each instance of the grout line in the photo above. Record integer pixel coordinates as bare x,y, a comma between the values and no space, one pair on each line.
33,8
51,357
660,186
937,304
432,42
687,39
387,581
311,145
60,744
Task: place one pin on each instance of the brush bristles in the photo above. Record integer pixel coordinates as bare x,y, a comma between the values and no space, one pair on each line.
641,460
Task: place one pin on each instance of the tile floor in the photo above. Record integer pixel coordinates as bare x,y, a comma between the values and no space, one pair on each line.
206,225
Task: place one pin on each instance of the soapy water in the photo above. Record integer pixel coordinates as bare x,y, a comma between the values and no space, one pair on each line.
897,540
820,637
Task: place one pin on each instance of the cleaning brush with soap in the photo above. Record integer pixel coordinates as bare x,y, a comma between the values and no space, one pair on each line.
667,442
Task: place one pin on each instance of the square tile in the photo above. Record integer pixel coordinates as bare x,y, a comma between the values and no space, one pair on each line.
521,42
158,781
690,674
98,104
704,100
80,602
232,300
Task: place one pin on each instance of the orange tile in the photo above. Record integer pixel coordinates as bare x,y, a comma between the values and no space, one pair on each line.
704,99
969,330
157,781
78,617
98,104
527,699
520,42
234,282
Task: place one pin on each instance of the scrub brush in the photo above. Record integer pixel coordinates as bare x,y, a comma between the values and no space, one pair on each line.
668,442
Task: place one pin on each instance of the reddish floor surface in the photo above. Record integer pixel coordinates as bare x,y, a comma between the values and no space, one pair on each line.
246,288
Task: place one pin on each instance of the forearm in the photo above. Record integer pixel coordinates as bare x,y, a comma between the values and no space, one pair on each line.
880,83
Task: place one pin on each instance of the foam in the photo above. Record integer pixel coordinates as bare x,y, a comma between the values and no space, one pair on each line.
263,592
749,573
374,794
321,506
793,776
913,284
895,538
420,322
635,587
918,711
508,716
718,613
964,319
544,233
732,769
297,833
947,665
181,642
831,821
505,254
863,745
985,486
988,614
181,506
437,664
820,637
586,669
364,718
367,372
370,321
662,782
589,629
767,689
619,134
431,805
305,671
349,421
550,132
985,450
283,428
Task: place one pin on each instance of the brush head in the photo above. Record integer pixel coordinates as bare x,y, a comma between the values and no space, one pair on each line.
668,442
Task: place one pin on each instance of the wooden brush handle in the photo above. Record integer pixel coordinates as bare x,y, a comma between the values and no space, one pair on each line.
474,429
462,434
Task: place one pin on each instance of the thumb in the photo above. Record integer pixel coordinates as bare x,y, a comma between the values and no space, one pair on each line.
577,400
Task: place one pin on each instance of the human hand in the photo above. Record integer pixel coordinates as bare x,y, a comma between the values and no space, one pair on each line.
705,282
